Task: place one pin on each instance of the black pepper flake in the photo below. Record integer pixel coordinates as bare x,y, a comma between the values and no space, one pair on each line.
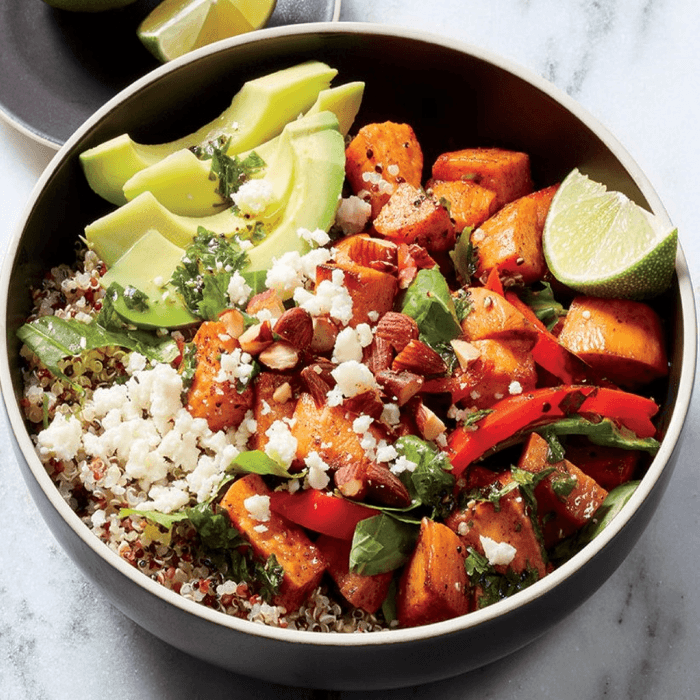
546,407
370,153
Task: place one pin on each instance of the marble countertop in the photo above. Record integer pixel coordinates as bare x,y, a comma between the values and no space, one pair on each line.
635,66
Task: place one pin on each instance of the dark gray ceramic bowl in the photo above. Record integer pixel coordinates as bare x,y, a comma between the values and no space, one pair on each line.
453,95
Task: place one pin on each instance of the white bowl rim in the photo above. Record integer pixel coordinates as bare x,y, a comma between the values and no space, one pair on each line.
397,636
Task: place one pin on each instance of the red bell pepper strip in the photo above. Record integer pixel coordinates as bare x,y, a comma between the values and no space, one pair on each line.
548,351
320,511
542,406
493,282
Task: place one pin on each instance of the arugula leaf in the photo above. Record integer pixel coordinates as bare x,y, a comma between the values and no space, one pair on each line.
257,462
603,432
54,339
205,272
430,483
381,543
428,300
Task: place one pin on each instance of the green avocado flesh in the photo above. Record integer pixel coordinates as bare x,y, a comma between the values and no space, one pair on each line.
181,182
143,241
258,112
148,266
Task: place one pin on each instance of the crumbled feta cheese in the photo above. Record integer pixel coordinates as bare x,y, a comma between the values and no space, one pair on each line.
61,439
402,464
166,499
330,297
317,477
236,366
391,414
347,346
515,388
238,289
353,214
281,445
353,378
317,237
498,553
258,506
254,196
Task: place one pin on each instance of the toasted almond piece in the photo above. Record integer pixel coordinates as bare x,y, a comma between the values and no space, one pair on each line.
429,425
398,329
401,386
420,358
283,393
280,355
268,300
318,383
367,403
295,326
379,355
256,338
465,352
324,335
233,322
372,482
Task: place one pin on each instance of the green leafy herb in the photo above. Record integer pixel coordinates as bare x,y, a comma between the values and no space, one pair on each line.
257,462
563,484
55,339
135,298
475,416
555,450
543,303
381,543
463,304
205,272
464,257
430,483
231,172
188,366
495,586
428,300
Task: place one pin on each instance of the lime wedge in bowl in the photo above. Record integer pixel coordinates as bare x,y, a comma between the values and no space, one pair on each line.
601,243
176,27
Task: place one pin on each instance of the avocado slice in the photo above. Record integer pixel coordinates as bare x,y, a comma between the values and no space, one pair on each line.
148,266
257,113
319,173
182,183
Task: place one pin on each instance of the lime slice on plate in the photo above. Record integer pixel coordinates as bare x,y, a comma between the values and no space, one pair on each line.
601,243
177,26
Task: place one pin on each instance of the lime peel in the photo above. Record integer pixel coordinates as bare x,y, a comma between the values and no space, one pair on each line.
599,242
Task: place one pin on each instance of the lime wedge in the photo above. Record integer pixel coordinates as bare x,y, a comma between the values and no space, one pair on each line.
599,242
177,26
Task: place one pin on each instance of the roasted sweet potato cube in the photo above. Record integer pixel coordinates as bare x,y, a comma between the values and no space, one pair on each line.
209,396
381,156
608,466
505,172
507,521
511,241
328,431
567,498
469,204
367,251
370,290
364,592
491,316
621,339
504,367
412,216
301,560
274,400
434,584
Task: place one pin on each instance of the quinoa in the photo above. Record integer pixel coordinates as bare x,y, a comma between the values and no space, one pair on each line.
99,489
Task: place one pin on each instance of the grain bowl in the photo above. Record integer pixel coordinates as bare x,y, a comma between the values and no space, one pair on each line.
453,95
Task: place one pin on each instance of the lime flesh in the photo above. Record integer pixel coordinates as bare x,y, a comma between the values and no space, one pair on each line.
599,242
176,27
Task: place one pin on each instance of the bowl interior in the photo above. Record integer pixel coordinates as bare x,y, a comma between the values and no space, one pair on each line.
452,95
